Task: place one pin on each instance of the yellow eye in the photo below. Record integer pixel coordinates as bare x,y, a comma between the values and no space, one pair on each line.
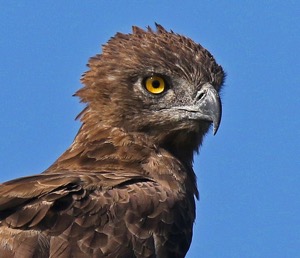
155,84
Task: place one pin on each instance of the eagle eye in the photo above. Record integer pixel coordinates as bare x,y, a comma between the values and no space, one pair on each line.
155,84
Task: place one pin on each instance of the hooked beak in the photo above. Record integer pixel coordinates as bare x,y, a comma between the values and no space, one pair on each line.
206,106
209,105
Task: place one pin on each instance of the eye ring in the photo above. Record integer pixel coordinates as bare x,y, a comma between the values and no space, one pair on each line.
155,84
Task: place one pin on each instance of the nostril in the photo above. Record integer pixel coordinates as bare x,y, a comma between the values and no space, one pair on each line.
200,95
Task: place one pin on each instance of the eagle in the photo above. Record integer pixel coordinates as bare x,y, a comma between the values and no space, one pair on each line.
126,186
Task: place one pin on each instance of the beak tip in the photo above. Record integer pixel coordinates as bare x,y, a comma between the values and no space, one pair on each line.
216,126
217,119
215,130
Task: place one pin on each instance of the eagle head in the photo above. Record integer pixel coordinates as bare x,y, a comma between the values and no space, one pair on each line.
157,83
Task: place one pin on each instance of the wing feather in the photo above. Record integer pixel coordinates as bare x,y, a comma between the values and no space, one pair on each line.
91,210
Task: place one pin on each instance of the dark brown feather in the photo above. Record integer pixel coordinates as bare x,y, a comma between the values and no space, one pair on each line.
125,187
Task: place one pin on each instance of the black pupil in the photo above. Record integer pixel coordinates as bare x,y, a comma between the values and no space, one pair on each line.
156,84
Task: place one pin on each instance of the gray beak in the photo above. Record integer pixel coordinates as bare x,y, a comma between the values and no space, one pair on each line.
209,105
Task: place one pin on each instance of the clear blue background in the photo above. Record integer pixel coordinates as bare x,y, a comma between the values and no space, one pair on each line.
248,174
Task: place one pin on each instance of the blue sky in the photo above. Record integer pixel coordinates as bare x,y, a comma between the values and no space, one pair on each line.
248,174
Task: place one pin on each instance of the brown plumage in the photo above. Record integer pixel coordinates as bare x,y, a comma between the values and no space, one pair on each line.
125,187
